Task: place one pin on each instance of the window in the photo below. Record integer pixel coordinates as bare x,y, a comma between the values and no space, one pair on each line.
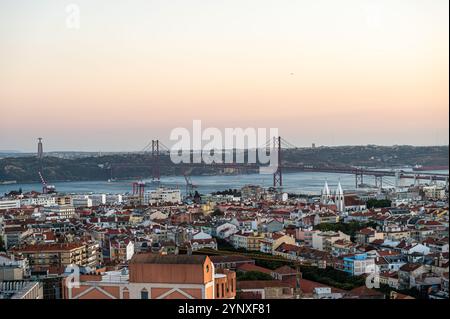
217,291
144,294
207,268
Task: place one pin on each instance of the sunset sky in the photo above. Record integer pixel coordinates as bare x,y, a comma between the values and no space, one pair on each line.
323,71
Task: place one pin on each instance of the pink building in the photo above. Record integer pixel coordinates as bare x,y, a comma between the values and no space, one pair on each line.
154,276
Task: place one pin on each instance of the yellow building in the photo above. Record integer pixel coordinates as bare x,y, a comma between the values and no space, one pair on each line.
247,240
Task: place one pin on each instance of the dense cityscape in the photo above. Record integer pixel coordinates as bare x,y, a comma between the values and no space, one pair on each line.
385,242
224,158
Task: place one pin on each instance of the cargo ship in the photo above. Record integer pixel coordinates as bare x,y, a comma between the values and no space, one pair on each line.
419,168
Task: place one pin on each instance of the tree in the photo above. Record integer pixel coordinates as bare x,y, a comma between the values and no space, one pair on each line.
271,264
233,192
347,228
378,203
332,277
217,212
222,244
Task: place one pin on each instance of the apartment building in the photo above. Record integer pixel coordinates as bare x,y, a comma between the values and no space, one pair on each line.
40,200
305,236
21,290
326,217
273,241
163,195
9,204
13,270
82,201
368,235
197,244
434,192
62,211
409,273
247,240
359,264
121,250
324,240
44,256
63,200
14,235
251,192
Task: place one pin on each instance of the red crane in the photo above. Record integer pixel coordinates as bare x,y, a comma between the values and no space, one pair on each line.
46,189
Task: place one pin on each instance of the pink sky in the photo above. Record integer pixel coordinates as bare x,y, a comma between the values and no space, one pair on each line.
328,72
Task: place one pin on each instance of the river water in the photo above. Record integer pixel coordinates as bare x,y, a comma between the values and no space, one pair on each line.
299,182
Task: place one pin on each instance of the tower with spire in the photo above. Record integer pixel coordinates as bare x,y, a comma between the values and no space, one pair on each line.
339,198
326,195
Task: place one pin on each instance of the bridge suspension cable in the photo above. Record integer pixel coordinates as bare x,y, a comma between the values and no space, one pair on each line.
287,144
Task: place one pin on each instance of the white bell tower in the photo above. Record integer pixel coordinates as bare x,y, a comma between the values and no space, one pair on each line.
339,198
326,195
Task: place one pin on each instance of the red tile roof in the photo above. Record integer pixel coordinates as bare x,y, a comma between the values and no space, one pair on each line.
252,267
285,270
260,284
308,286
363,291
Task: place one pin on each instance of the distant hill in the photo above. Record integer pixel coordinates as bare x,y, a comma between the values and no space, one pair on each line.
24,169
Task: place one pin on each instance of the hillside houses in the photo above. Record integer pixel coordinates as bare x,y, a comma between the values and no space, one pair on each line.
405,246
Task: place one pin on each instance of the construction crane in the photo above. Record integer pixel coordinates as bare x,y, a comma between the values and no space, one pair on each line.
189,185
46,189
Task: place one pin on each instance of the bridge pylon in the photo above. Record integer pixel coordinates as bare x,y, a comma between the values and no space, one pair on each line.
278,176
156,169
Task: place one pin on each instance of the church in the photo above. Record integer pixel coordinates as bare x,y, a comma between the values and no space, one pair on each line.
336,199
349,202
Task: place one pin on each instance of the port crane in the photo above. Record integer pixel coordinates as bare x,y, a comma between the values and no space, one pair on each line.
46,188
189,185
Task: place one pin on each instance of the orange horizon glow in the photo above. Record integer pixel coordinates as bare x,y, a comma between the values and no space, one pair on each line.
324,72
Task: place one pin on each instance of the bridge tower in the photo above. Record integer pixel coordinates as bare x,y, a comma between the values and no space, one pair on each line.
156,170
359,178
277,176
397,180
379,181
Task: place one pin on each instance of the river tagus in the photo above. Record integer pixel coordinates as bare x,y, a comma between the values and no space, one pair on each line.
300,183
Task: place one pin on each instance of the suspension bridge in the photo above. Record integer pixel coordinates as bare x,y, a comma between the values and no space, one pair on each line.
156,149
